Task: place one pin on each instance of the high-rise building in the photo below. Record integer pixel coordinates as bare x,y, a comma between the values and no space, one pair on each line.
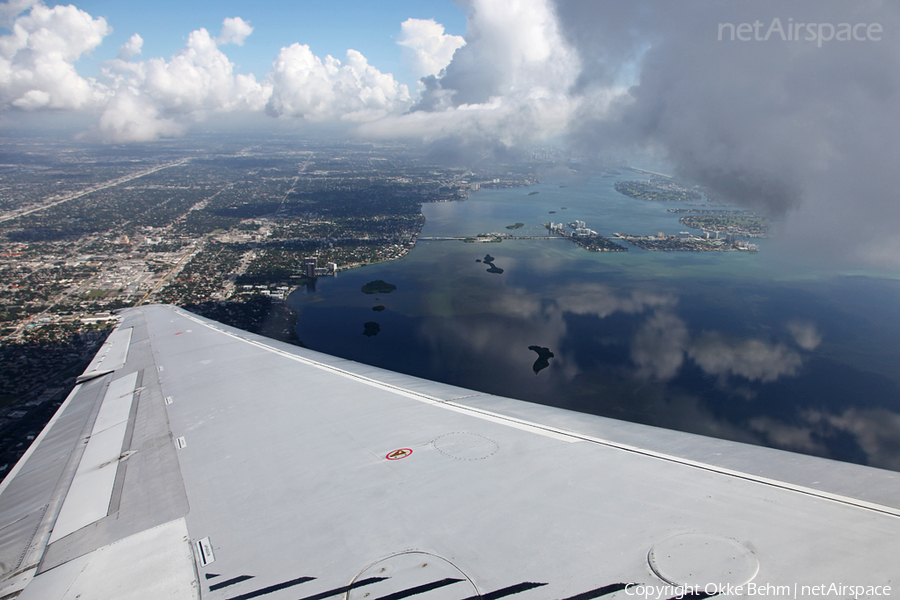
310,264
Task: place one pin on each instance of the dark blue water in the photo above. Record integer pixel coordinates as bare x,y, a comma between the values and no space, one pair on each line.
745,347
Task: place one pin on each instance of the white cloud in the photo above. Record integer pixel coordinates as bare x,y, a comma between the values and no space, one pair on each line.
662,342
427,48
505,84
158,98
509,84
37,59
658,346
875,430
307,87
131,117
790,437
13,8
805,334
752,359
600,300
234,31
131,48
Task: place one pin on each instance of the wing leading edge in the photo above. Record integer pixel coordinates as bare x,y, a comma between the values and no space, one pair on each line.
198,461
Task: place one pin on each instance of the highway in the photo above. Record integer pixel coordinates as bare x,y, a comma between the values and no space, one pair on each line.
15,214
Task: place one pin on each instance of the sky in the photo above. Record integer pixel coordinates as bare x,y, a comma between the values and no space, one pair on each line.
790,108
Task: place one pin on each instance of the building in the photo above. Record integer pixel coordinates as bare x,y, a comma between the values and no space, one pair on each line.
310,266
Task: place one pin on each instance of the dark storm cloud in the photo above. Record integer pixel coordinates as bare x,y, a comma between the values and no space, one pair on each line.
777,124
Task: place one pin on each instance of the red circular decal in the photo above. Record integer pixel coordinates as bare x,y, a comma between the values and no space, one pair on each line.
398,454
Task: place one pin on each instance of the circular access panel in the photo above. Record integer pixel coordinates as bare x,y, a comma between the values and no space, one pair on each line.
465,446
414,574
698,559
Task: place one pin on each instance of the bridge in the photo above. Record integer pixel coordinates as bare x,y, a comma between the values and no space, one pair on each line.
489,239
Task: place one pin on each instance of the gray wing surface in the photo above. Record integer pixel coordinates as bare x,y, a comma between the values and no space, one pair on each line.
194,460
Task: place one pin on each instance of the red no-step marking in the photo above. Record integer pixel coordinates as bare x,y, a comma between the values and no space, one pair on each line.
398,454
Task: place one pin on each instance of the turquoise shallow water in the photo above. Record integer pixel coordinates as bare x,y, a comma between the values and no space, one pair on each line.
751,347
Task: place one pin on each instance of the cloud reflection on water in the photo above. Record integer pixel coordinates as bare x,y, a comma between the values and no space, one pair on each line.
658,347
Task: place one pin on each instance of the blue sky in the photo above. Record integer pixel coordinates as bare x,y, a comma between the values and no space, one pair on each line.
330,27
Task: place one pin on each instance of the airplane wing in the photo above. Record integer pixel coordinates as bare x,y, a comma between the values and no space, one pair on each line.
194,460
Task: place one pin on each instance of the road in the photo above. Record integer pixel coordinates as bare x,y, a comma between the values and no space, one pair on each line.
15,214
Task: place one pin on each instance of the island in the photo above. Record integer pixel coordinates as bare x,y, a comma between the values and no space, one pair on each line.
687,243
378,307
661,191
598,243
584,237
378,287
371,328
489,260
533,193
543,360
746,225
516,226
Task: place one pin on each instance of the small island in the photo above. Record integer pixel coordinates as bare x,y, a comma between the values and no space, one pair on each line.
371,328
516,226
660,191
687,243
746,225
533,193
543,360
489,260
378,307
378,287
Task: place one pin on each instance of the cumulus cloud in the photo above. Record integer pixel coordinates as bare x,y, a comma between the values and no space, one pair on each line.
661,345
805,334
506,86
873,429
131,116
131,48
427,48
789,437
234,31
37,59
658,346
512,49
752,359
305,86
11,9
158,98
600,300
